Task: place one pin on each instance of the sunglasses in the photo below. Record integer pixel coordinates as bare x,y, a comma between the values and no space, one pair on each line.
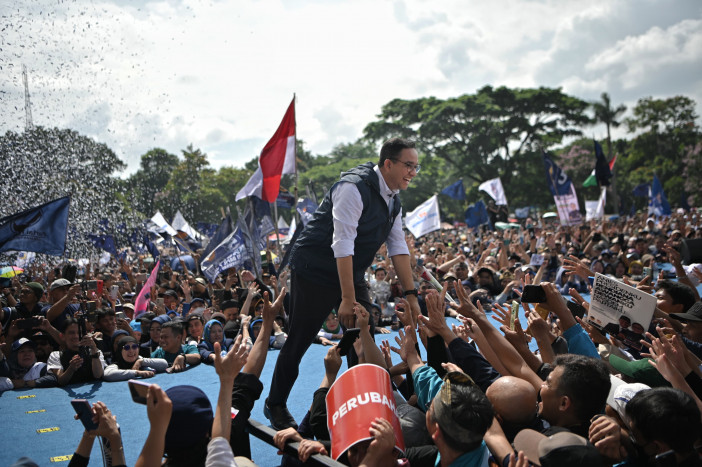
129,347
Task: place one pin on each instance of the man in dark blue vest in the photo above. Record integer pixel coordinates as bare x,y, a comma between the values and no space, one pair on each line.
329,259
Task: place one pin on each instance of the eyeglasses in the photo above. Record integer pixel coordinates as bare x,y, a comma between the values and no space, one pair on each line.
129,347
25,292
409,165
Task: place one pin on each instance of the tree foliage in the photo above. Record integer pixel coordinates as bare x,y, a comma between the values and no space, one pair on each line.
44,164
495,132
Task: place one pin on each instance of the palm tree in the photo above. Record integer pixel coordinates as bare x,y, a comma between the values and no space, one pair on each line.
604,113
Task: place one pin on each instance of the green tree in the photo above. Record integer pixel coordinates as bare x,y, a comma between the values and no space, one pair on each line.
156,167
667,130
186,190
44,164
495,132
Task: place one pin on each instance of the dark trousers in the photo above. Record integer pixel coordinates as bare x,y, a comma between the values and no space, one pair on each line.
310,304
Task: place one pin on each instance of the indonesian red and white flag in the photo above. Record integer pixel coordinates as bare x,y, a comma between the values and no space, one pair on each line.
277,158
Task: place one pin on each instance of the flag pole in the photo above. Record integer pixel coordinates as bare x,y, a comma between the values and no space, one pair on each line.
296,214
275,226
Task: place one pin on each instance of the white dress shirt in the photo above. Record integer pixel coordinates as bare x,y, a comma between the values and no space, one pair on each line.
346,211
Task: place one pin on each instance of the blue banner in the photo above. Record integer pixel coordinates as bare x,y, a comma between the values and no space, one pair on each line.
41,229
230,253
223,231
455,191
558,181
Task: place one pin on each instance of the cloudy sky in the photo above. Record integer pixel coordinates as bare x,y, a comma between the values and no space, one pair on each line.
220,74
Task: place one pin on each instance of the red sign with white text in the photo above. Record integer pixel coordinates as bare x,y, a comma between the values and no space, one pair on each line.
356,399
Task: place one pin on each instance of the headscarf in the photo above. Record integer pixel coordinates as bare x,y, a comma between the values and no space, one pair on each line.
331,331
206,332
122,364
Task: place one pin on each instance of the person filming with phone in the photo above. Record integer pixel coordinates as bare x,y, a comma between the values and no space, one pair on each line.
80,361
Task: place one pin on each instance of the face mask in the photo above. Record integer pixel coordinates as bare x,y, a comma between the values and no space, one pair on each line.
197,310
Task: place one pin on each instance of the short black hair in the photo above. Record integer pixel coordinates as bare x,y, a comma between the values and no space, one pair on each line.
668,415
392,147
471,409
103,312
67,323
176,326
588,399
681,294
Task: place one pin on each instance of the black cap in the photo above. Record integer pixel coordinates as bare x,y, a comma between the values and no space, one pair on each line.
694,314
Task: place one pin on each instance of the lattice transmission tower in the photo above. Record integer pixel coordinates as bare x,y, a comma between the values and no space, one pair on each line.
28,123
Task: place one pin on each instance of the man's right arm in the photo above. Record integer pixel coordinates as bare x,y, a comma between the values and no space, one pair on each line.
346,211
58,307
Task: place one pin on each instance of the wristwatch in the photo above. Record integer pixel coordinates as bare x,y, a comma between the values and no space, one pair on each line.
410,292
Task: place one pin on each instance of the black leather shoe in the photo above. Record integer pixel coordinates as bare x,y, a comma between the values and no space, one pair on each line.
279,416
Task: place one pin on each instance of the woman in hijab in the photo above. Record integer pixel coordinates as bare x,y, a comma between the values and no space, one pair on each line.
128,364
213,332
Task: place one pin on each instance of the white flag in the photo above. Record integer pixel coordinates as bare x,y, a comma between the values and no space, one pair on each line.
494,189
291,230
596,209
162,225
425,218
179,223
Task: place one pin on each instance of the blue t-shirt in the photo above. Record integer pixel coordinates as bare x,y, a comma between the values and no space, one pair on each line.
68,312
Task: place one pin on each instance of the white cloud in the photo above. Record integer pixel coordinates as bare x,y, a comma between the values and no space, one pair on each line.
646,54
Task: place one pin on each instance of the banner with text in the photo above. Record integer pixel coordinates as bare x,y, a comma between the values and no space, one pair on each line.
355,399
621,310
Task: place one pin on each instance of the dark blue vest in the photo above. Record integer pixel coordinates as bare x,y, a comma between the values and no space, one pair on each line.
312,256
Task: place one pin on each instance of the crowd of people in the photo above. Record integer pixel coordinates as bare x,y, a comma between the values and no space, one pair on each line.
467,393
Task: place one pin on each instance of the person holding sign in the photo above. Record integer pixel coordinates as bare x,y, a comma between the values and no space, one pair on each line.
330,258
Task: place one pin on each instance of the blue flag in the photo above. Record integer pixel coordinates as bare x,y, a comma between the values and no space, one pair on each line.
231,253
207,229
658,203
602,172
641,189
151,246
104,242
104,224
41,229
558,181
455,190
522,213
476,214
223,231
285,200
306,208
